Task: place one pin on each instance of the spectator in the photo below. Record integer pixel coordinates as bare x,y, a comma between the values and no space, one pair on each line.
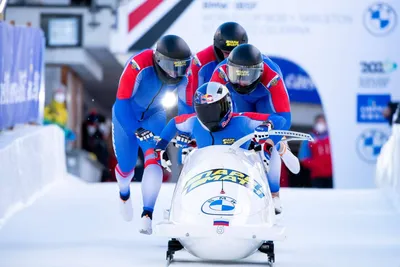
56,113
390,110
316,156
95,132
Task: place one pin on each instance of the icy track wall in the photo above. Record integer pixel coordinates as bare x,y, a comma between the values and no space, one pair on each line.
32,158
388,167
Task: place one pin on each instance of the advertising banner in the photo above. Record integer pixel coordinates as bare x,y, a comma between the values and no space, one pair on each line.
21,66
370,108
347,51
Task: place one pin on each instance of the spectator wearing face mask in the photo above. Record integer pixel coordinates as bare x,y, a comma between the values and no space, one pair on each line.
92,136
316,156
96,132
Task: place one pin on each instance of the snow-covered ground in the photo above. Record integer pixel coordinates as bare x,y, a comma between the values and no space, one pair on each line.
78,224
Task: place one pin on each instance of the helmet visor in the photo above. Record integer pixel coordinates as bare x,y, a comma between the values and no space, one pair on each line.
173,67
214,114
243,75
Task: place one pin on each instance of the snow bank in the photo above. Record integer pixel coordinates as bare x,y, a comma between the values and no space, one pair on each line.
388,167
32,158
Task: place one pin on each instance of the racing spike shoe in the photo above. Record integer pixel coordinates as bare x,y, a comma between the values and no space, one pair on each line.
125,206
146,221
290,160
277,204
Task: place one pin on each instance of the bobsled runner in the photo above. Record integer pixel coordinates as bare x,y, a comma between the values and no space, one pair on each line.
222,208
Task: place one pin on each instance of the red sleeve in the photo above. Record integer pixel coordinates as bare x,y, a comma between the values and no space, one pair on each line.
131,71
219,75
255,116
280,97
127,82
184,117
274,83
199,60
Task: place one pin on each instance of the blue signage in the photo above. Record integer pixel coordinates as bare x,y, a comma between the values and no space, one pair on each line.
21,67
370,108
299,84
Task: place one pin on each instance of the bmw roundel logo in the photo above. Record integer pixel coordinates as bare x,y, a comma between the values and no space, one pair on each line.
380,19
220,205
369,144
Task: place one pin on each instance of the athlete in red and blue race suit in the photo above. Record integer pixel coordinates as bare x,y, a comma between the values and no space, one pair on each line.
138,110
255,83
214,123
226,38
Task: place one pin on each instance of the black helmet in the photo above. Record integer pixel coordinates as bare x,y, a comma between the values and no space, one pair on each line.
245,67
213,106
227,37
172,58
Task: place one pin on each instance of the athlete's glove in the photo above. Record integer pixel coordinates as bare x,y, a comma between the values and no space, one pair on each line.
181,140
163,157
190,147
143,134
261,133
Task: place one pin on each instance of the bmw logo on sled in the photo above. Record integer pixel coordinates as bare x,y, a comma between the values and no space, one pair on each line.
222,200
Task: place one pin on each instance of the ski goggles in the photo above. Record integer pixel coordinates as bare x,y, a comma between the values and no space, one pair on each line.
244,75
173,67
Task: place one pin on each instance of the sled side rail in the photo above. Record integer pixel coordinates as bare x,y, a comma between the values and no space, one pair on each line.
290,136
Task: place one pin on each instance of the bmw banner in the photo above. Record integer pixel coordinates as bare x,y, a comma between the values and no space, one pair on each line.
299,84
21,67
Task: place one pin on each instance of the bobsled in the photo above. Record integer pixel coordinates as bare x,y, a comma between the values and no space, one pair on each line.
222,208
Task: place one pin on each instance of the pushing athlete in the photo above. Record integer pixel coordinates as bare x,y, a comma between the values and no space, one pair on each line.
138,110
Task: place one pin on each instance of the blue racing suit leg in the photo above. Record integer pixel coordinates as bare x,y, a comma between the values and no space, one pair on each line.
153,172
274,174
124,125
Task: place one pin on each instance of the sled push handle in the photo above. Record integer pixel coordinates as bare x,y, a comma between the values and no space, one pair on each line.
290,136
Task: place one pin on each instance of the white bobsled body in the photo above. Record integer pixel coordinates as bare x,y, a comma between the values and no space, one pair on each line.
222,207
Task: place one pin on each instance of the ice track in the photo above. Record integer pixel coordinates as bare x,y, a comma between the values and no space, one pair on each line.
78,224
